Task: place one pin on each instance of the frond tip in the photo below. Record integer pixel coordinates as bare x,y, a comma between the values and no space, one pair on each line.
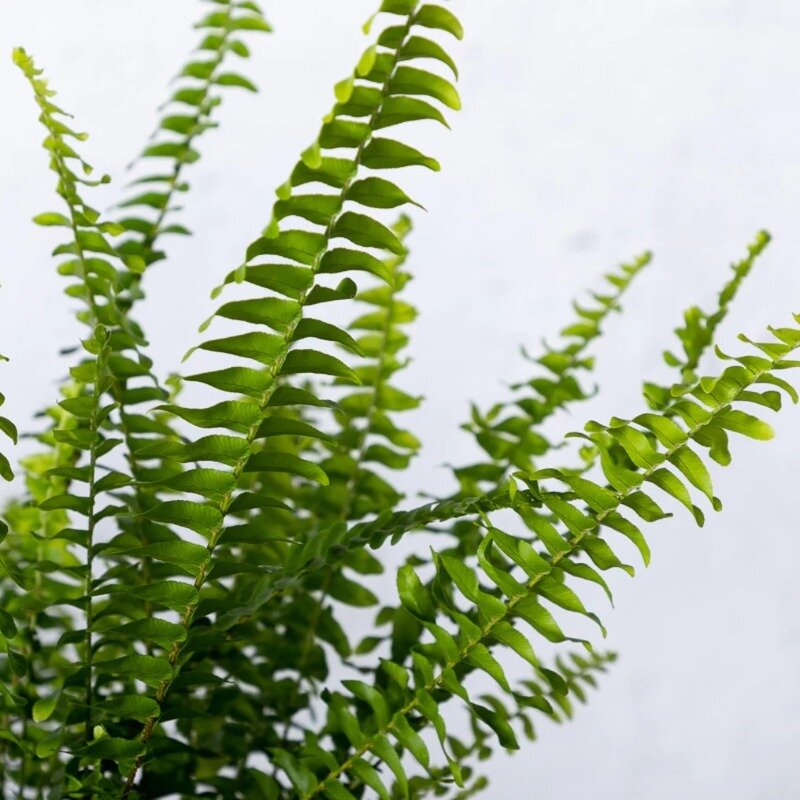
696,334
510,431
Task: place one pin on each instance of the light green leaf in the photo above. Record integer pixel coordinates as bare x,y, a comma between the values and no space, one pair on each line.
433,16
383,153
288,463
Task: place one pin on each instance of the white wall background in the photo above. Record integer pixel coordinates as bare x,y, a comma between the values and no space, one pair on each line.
590,131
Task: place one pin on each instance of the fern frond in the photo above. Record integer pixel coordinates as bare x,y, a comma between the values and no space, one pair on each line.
111,360
382,92
553,691
659,447
47,473
197,83
302,663
174,145
510,432
190,109
189,116
366,434
467,534
699,327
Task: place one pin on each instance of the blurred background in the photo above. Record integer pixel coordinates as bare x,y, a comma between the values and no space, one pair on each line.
589,133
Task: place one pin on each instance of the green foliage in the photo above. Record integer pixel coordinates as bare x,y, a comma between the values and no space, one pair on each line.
509,433
188,116
174,574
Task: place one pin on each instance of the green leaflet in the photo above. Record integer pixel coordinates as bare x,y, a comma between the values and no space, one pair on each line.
434,16
150,214
148,669
411,81
210,483
399,109
234,415
284,462
274,312
201,519
110,747
378,193
365,231
130,707
313,362
170,594
382,153
185,555
157,631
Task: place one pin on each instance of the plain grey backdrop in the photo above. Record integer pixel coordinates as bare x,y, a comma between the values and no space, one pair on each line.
590,131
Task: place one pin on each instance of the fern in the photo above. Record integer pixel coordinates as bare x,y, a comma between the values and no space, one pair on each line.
190,114
509,432
654,443
139,249
699,327
173,581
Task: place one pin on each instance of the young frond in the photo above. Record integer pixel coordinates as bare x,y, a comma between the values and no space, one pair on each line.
699,327
510,432
150,207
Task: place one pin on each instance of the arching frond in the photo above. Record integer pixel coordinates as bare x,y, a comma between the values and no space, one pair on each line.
464,620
